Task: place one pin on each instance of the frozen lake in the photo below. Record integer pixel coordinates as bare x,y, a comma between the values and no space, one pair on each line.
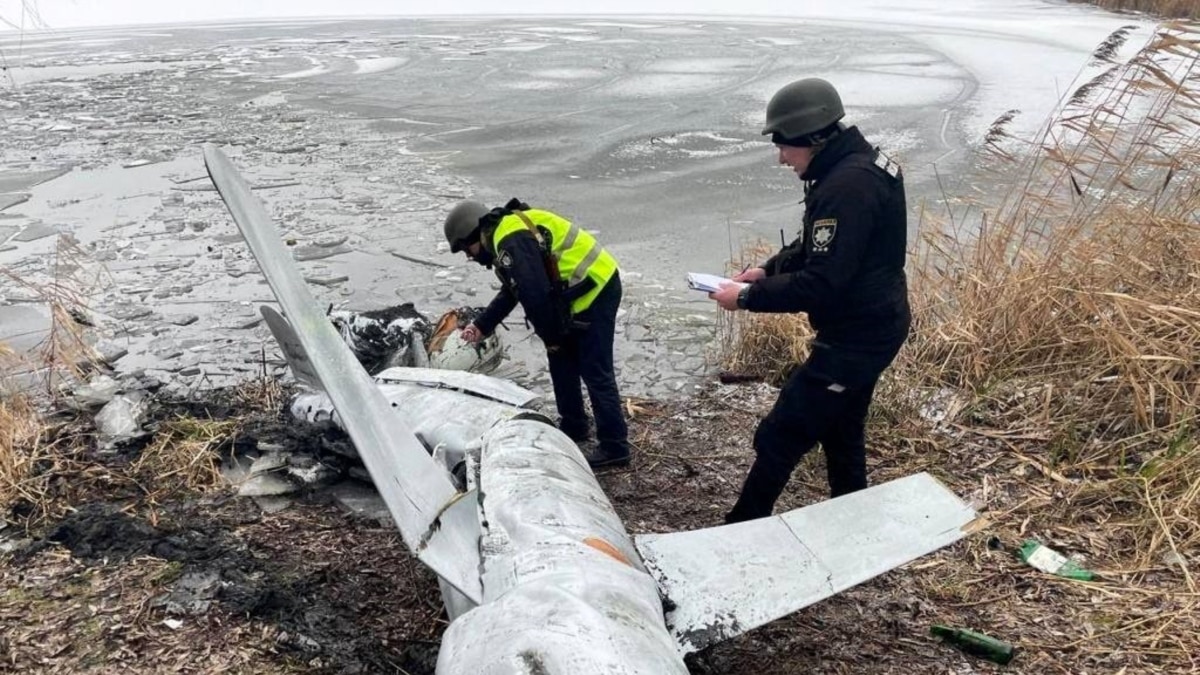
360,134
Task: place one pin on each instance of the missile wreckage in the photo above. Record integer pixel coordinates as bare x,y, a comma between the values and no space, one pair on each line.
537,572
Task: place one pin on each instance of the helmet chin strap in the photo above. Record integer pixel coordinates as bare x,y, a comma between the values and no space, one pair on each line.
816,141
823,141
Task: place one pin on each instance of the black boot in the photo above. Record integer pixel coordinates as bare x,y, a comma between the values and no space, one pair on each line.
575,431
764,484
609,455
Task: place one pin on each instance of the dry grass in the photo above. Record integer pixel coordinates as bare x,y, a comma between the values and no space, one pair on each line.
1085,275
27,443
29,450
48,467
262,393
765,345
20,435
65,353
58,469
183,457
1054,361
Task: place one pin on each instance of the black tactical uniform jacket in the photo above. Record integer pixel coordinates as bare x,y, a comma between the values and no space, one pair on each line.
521,269
846,269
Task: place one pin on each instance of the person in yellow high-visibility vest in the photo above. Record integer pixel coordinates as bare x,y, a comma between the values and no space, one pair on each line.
570,289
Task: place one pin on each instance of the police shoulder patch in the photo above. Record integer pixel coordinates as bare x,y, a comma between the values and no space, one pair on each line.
884,162
823,232
505,260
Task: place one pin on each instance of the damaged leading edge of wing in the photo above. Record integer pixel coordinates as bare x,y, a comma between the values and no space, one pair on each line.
538,572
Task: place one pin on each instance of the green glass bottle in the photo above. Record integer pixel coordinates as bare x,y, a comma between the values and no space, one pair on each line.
975,644
1048,560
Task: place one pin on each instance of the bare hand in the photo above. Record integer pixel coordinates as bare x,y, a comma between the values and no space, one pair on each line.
472,334
751,275
727,296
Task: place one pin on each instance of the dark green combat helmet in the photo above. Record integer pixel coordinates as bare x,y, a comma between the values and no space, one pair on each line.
803,108
462,224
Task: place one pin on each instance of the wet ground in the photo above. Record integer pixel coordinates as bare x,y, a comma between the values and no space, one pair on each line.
359,135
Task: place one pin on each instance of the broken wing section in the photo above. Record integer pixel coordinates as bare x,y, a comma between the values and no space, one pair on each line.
724,581
414,487
449,432
293,351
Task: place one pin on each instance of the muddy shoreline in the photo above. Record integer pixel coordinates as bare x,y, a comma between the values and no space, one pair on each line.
188,577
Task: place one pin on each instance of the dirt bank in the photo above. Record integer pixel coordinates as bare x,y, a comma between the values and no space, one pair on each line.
199,581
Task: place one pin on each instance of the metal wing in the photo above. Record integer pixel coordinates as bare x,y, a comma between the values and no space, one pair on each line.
725,581
414,487
293,351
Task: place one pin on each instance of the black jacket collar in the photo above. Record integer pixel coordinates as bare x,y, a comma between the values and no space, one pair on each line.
847,143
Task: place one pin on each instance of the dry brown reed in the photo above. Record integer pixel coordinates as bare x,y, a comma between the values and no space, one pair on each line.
65,353
183,457
763,345
20,433
264,392
1178,9
54,469
1085,279
27,451
45,467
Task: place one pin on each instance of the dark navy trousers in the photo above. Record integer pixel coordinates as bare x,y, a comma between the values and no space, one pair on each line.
824,401
587,356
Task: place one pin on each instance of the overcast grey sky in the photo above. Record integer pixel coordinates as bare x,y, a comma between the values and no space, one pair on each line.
73,13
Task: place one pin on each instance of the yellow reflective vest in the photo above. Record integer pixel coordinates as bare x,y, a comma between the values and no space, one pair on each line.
577,253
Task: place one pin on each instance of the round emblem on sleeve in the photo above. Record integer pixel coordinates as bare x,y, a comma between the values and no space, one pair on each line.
823,233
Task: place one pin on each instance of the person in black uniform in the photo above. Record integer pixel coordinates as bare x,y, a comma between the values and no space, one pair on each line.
846,271
570,289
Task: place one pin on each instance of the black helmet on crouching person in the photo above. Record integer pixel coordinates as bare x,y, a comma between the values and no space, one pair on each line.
462,224
804,113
